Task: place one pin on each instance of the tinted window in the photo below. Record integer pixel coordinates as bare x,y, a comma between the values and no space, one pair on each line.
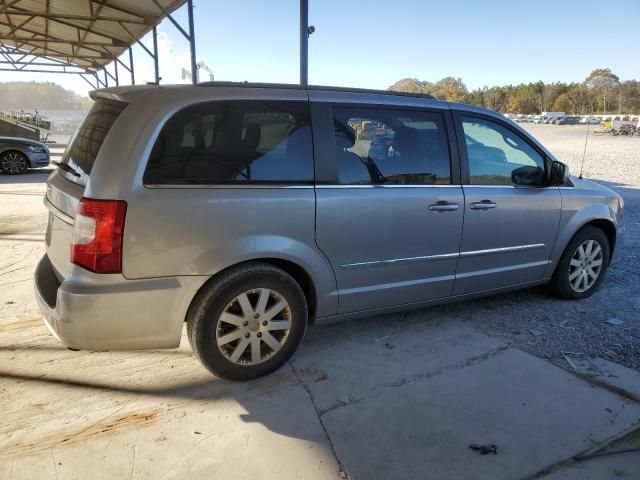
234,142
391,147
498,156
83,148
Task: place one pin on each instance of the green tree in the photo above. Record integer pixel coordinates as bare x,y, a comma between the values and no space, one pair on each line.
580,99
601,88
603,82
629,97
451,89
43,96
561,104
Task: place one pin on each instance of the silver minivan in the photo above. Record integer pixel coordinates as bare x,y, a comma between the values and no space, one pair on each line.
249,211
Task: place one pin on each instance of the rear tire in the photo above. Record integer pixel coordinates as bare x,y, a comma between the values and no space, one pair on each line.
232,327
13,163
583,265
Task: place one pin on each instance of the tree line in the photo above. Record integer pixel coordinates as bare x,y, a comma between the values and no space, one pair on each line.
601,92
41,95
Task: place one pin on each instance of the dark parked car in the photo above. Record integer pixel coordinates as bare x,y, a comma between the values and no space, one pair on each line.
17,155
569,121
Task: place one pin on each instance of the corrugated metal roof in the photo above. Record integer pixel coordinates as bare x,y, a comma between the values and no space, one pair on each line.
80,33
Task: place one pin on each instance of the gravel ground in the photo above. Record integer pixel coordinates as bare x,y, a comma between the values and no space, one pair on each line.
579,326
558,325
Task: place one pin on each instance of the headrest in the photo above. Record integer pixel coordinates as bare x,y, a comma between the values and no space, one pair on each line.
252,136
298,141
345,137
406,137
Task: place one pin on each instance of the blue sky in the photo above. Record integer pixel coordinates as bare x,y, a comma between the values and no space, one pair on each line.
374,43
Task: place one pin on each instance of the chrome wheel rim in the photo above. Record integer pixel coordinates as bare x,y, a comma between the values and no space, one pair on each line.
13,162
585,266
254,326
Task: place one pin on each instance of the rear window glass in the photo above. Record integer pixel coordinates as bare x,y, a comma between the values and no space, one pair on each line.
231,142
85,144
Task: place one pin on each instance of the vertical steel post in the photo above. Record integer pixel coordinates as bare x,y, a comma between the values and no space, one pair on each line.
106,79
155,54
192,44
133,77
115,66
304,43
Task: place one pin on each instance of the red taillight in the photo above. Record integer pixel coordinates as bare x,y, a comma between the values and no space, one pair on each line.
97,235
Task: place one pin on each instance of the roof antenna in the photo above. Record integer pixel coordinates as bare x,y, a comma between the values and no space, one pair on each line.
584,152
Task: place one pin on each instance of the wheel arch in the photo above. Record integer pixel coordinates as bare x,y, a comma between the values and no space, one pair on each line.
296,271
606,225
609,229
13,149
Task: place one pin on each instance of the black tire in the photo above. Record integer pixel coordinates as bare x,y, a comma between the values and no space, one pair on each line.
17,156
211,302
560,284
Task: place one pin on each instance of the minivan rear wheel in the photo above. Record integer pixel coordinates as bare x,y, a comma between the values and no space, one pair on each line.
583,264
248,322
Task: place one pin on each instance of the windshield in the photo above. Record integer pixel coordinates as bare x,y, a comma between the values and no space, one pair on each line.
85,143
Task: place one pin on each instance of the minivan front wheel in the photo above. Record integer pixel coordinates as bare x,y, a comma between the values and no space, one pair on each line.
248,322
583,264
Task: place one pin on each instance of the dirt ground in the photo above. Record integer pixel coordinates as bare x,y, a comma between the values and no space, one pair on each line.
159,414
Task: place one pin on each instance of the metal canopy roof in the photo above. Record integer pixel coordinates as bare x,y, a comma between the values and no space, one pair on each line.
75,35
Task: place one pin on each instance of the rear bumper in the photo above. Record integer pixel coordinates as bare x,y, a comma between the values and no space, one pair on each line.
90,311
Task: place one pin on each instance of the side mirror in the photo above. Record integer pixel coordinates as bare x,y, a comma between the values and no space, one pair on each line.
527,176
559,173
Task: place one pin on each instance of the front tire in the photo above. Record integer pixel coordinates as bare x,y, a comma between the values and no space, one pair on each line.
248,322
13,163
583,265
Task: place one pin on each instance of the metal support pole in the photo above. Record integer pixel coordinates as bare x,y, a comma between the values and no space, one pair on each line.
98,81
155,55
115,65
304,43
106,79
133,76
192,44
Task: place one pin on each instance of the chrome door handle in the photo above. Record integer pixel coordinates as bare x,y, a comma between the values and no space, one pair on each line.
442,206
483,205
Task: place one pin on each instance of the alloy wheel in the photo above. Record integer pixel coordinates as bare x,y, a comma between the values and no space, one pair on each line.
254,326
13,162
585,266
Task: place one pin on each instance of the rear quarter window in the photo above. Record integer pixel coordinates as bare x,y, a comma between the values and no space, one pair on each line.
234,142
88,138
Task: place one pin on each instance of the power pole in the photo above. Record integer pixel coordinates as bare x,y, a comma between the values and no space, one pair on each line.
305,31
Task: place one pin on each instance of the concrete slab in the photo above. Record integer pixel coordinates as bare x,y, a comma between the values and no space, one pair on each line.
537,414
345,363
615,467
151,415
619,376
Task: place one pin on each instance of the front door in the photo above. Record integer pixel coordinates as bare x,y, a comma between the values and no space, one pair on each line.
390,221
511,218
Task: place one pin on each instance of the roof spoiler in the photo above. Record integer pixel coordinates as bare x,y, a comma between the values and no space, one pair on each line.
119,94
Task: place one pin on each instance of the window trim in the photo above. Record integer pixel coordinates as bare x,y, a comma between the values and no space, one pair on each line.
325,142
465,173
227,184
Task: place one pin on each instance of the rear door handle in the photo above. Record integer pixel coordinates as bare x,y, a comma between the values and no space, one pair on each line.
483,205
443,206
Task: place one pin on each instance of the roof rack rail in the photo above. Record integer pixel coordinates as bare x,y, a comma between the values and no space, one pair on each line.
295,86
